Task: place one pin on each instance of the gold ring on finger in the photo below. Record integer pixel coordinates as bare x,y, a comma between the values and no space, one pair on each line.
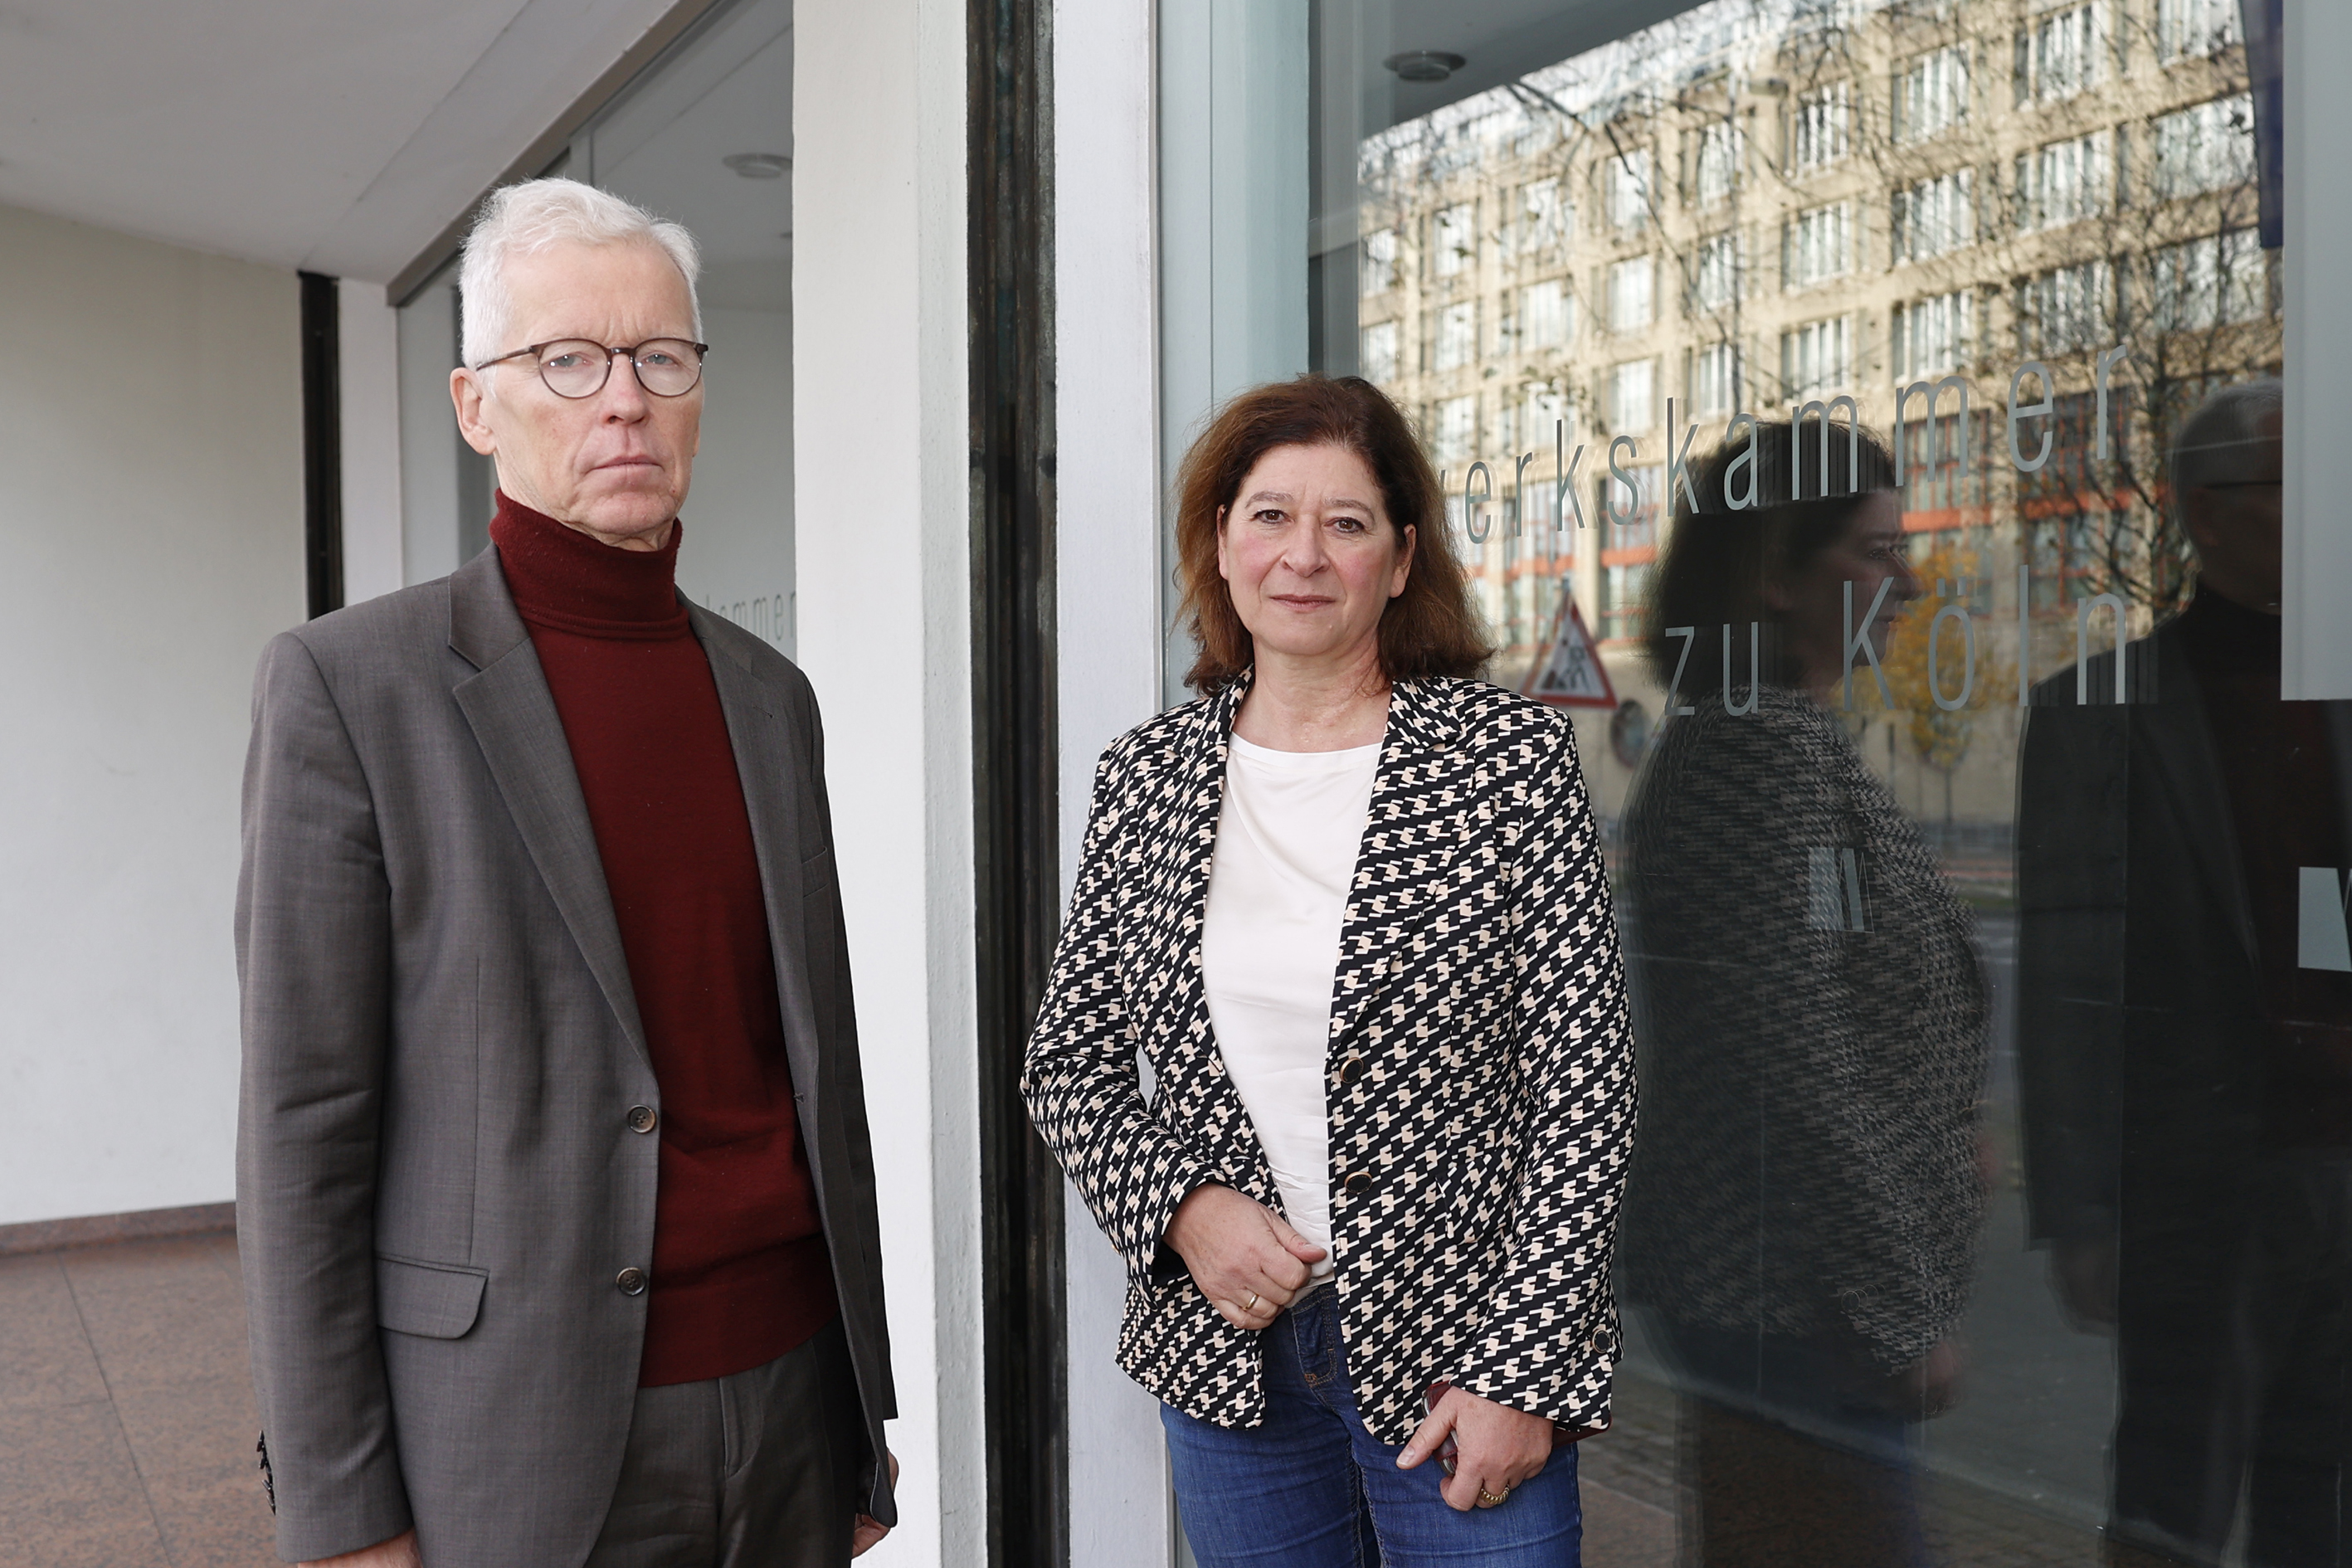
1253,1304
1491,1499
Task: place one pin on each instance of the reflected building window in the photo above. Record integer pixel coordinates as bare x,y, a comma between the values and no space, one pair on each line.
1632,396
1714,381
1453,240
1546,318
1628,178
1816,358
1380,262
1720,149
2058,55
1823,131
2196,29
1931,336
2205,147
1715,272
1817,245
1377,354
2066,310
1935,217
1631,284
2212,281
1931,93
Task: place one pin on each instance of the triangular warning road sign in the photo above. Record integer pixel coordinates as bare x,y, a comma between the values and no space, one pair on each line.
1569,672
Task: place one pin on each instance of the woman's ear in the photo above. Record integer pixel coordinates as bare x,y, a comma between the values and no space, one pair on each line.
1221,572
1404,562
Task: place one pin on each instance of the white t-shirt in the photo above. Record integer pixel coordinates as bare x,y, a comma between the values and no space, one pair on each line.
1286,842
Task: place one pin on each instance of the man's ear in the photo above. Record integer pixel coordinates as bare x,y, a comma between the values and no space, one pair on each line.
467,392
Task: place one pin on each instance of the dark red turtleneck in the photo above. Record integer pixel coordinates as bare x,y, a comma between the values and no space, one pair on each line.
740,1270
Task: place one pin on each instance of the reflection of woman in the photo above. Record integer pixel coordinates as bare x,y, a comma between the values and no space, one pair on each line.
1350,907
1805,1207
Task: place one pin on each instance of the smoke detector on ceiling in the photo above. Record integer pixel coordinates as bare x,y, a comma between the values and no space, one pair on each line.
758,166
1424,65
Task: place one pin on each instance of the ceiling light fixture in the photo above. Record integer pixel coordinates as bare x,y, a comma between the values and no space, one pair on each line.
758,166
1424,65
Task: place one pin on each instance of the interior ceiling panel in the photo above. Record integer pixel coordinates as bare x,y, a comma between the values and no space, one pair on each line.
1501,40
333,134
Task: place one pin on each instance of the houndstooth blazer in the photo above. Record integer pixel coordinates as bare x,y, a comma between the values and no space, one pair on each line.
1480,1076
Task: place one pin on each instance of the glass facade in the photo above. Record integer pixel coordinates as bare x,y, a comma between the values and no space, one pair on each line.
1991,1188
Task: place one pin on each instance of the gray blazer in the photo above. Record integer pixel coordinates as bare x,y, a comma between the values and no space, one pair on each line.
438,1185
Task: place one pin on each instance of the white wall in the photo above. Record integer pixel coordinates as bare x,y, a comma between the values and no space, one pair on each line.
879,440
2318,643
1109,606
151,430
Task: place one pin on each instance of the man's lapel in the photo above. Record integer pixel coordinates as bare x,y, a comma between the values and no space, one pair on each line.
514,716
767,762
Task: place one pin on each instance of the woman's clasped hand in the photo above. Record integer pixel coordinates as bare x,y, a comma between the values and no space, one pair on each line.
1244,1257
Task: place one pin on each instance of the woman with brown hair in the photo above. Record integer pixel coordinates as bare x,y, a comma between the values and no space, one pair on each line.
1350,905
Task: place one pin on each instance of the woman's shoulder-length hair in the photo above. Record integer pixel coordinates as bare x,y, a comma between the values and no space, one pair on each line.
1431,628
1756,525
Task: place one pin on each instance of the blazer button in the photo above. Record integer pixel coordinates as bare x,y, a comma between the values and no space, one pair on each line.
642,1118
632,1281
1352,1069
1358,1183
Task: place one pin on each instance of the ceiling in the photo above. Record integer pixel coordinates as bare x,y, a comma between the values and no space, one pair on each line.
336,135
1499,40
665,148
344,136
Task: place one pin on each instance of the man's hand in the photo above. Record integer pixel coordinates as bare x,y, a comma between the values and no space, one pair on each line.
400,1551
869,1530
1497,1448
1243,1257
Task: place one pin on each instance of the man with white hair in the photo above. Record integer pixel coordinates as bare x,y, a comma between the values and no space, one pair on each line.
555,1198
2184,1055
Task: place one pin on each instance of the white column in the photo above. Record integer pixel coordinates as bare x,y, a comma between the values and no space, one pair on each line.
880,499
368,333
1108,613
2319,642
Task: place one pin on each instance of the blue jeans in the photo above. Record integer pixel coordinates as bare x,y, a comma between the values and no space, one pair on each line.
1310,1488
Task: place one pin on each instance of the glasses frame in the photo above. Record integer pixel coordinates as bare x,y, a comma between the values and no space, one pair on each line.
702,350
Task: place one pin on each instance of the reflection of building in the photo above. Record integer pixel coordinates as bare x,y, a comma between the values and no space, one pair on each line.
1752,206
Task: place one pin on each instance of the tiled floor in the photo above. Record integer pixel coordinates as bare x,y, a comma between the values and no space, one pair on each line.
127,1423
126,1416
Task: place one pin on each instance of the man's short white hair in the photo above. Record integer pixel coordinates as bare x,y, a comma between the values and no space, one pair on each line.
2218,440
524,220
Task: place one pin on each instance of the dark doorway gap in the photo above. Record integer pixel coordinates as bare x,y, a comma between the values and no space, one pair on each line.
322,442
1015,761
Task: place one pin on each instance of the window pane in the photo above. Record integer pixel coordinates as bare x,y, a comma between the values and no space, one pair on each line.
1905,1102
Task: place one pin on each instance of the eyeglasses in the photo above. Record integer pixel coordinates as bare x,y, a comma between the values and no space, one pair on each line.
579,367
